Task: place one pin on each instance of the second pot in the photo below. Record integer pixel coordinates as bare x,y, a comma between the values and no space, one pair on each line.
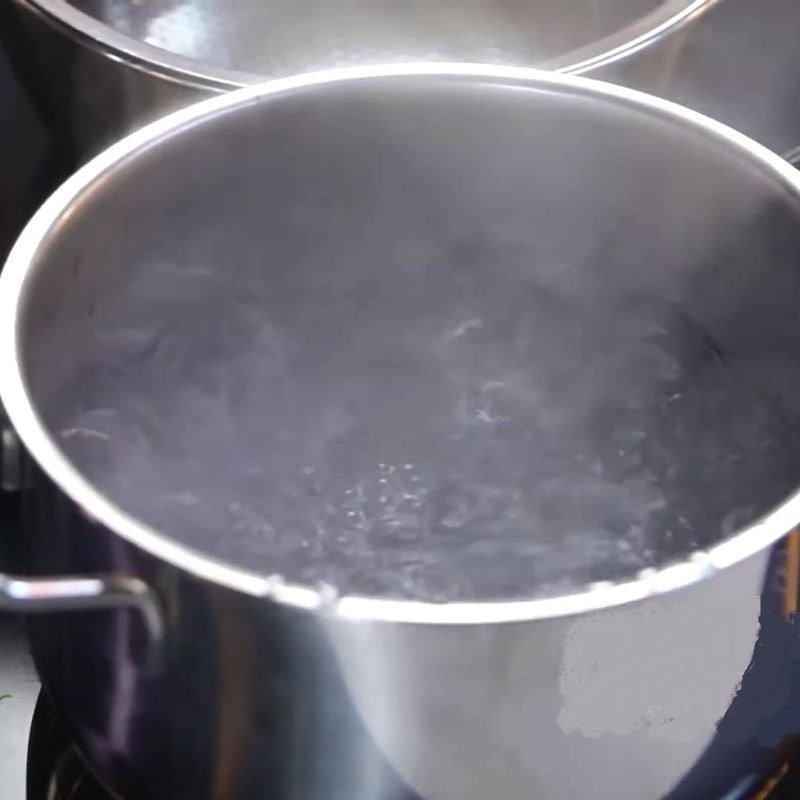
100,69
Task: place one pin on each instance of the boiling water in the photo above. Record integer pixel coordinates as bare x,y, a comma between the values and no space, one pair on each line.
423,432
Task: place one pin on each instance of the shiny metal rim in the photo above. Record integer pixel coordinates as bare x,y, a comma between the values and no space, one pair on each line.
670,16
34,435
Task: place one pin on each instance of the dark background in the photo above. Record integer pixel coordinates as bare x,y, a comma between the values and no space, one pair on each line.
28,170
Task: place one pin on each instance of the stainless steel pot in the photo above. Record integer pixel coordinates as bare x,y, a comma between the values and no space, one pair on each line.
101,68
241,685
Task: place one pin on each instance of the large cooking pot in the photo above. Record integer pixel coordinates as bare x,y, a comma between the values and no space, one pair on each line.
653,251
100,67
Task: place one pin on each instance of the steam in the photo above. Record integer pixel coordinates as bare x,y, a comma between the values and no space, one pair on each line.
482,369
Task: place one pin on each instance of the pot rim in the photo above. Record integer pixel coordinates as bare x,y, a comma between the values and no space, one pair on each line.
668,17
14,283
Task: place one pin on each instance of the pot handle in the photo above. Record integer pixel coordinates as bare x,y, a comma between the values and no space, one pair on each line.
29,595
83,593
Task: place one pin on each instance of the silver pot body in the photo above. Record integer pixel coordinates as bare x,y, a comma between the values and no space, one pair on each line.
257,700
670,682
99,70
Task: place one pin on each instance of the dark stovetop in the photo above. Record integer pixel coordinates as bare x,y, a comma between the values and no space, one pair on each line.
764,64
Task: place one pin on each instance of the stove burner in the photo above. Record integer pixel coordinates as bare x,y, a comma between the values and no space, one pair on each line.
56,770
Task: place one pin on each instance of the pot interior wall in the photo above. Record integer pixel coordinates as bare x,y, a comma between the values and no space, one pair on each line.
272,38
